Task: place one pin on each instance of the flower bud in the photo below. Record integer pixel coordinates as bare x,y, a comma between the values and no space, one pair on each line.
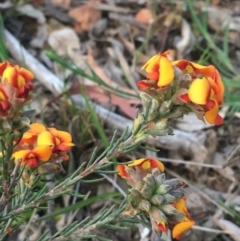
157,215
160,128
175,183
163,189
153,111
137,124
145,100
177,194
160,179
134,197
144,205
147,192
169,209
157,200
149,181
165,107
169,199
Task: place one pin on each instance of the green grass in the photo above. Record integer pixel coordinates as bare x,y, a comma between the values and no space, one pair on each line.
3,49
80,204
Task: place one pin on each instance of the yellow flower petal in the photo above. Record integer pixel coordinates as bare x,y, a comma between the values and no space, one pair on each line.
42,152
152,64
181,227
166,72
11,76
23,154
62,135
45,138
137,162
199,91
37,128
180,205
147,163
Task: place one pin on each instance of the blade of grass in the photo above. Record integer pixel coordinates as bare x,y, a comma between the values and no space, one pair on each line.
95,78
3,49
223,56
80,204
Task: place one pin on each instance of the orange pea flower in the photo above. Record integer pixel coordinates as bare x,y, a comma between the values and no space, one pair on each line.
181,227
206,89
159,70
30,136
186,224
15,75
58,140
144,164
33,157
5,105
147,163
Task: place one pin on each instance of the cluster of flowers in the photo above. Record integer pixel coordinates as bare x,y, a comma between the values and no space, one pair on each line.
198,87
40,144
158,199
14,88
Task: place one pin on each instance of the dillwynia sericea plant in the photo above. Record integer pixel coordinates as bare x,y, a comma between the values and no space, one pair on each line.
30,151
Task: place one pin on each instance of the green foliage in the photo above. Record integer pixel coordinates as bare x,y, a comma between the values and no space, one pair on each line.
3,49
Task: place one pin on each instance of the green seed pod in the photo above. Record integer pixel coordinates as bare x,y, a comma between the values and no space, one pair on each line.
157,200
144,205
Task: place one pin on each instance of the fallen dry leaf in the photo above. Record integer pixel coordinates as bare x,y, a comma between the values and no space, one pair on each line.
144,16
94,92
61,3
100,72
63,41
86,15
